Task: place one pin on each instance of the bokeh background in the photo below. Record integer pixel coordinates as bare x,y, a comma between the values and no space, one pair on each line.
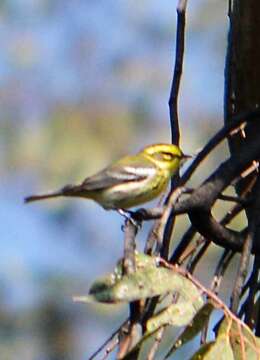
82,83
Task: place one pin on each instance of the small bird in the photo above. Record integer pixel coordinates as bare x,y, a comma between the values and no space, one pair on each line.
129,182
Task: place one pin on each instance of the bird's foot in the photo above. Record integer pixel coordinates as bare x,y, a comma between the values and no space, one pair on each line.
129,216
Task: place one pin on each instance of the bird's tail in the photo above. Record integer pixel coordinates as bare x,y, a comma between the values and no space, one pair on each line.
68,190
42,197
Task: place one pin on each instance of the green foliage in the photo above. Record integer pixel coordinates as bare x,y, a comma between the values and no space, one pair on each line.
197,324
244,344
219,349
148,281
233,341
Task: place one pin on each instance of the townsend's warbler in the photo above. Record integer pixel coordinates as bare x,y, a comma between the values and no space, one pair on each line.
129,182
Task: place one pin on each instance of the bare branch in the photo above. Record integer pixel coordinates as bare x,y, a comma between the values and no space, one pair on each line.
221,267
179,54
194,261
127,337
130,230
111,337
217,138
182,5
191,249
173,107
152,353
247,248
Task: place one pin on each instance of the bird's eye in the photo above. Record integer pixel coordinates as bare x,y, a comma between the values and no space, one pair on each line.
167,156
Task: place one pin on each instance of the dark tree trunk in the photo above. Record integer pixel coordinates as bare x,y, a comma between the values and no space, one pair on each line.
242,80
242,93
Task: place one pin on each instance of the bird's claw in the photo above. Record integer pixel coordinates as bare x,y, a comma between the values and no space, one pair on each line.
129,216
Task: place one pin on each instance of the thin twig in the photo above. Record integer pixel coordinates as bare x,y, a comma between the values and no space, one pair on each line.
127,341
165,216
231,214
179,54
236,199
229,67
174,117
182,251
221,268
194,262
217,138
110,348
156,344
108,340
130,230
184,242
152,237
166,240
200,202
190,250
210,294
129,266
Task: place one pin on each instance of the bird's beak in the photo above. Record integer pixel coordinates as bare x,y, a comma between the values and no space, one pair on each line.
185,157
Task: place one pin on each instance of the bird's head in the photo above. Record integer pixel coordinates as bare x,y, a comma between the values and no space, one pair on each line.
166,156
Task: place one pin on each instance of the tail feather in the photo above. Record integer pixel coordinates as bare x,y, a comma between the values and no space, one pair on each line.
68,190
42,197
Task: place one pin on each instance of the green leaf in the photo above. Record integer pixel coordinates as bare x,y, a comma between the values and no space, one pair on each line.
194,327
102,285
219,349
244,343
149,280
179,314
203,350
144,283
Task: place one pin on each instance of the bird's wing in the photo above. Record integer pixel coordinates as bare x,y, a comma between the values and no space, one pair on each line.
132,168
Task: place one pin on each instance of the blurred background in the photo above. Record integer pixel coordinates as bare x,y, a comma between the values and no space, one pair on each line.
82,83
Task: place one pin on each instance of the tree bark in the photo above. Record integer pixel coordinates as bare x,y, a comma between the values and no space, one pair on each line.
242,93
242,78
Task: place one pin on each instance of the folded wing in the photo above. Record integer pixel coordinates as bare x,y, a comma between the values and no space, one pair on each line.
127,170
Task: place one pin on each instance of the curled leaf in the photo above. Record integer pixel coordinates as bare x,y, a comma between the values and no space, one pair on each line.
147,281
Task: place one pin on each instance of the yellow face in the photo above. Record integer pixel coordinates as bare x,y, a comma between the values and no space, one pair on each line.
166,156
